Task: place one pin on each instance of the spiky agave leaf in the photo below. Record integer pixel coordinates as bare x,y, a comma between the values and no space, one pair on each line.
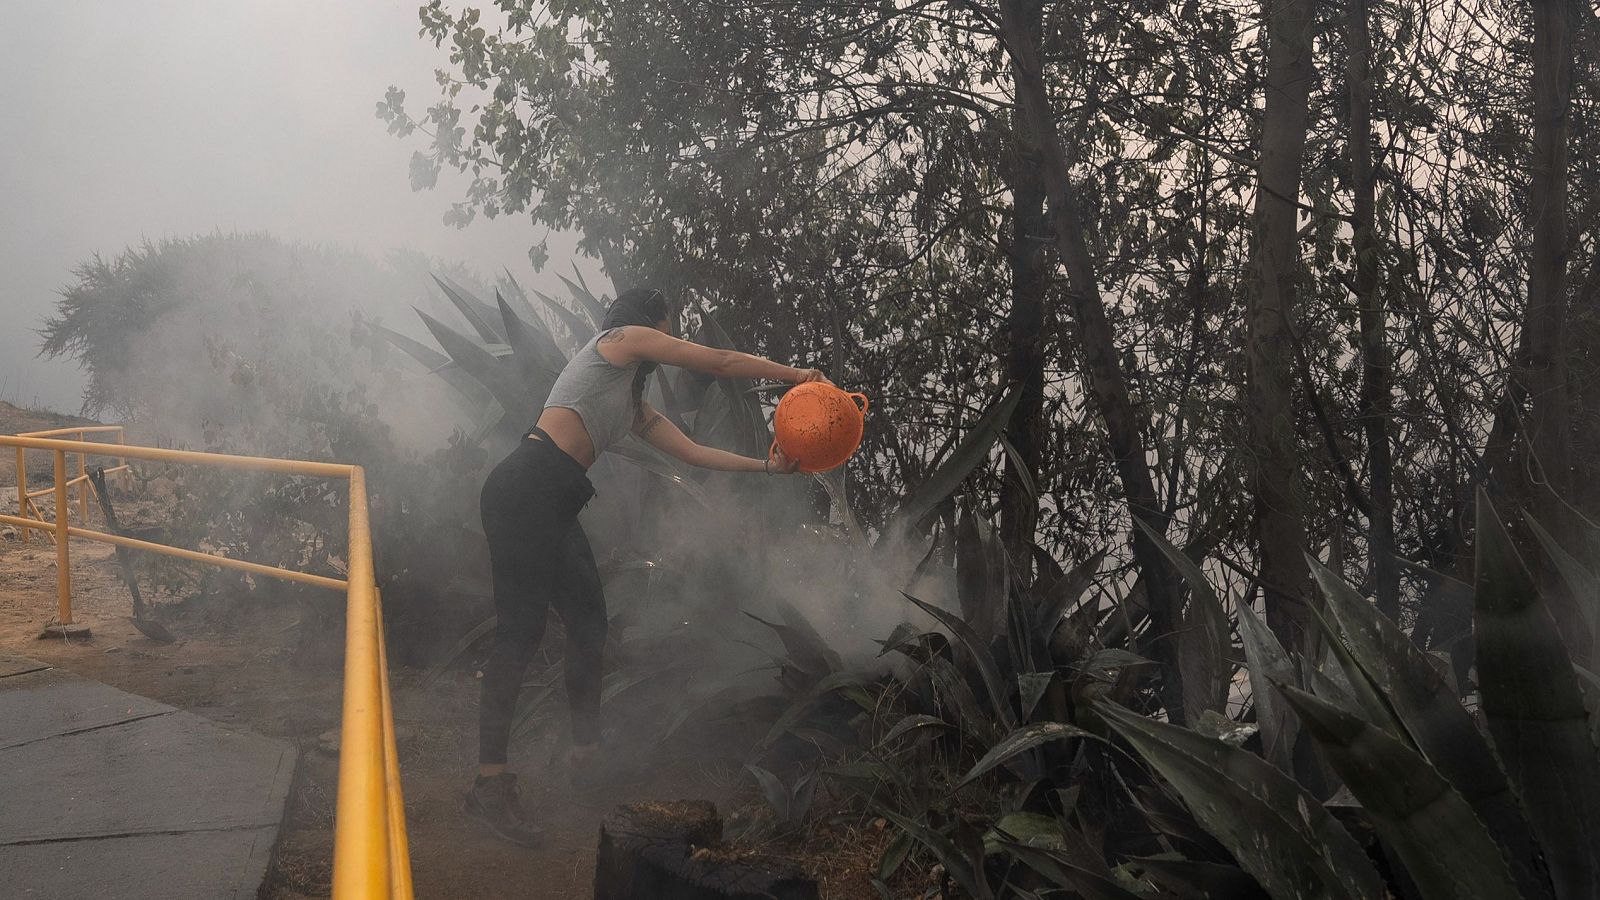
591,304
1278,832
1583,583
1368,701
983,578
480,315
536,353
1064,873
1065,593
910,723
1335,690
1429,716
982,659
806,649
1020,741
430,358
581,329
962,867
1031,687
1425,821
1534,707
1191,878
846,683
1268,662
519,297
439,364
1451,600
777,796
951,689
721,422
582,282
499,376
969,453
1205,639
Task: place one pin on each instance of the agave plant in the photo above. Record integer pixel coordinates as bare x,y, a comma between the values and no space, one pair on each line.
1004,756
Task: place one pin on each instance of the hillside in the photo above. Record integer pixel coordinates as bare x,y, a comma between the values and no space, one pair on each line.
15,420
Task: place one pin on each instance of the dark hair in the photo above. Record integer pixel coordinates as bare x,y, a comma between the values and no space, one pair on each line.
638,306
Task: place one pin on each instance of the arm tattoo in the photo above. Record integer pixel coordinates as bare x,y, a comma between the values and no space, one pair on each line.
650,424
612,336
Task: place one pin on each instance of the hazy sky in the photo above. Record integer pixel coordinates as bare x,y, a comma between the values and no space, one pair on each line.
127,119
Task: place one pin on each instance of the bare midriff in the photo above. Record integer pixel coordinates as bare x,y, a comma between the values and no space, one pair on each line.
567,431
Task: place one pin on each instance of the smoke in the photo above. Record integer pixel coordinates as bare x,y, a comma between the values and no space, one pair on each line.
761,546
250,344
256,344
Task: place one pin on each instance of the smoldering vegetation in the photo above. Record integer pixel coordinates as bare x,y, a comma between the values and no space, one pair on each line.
1225,522
249,344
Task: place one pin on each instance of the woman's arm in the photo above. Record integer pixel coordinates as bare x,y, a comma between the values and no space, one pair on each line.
660,433
636,343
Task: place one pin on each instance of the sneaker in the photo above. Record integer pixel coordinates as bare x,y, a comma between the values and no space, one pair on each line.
494,803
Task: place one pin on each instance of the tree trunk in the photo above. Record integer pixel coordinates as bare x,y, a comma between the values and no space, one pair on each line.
1269,408
1375,374
1019,507
1544,365
1107,384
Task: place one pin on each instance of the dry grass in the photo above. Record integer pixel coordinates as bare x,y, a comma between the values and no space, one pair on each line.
844,857
303,867
841,851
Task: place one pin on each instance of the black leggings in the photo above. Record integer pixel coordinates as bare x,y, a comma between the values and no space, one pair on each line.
539,557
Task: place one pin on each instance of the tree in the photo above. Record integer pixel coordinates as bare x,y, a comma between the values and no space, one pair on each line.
1280,510
1097,343
1375,402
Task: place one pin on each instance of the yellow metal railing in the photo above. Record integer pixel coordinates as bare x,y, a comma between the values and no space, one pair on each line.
25,497
371,857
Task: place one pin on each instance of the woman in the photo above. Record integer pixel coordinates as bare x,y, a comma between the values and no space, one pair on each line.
537,550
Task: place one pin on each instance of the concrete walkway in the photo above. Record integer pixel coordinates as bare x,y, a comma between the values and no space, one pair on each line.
107,794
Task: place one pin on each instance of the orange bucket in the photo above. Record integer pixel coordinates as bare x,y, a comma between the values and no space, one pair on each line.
819,425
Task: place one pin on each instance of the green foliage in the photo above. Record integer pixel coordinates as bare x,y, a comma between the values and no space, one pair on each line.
1429,782
1430,827
1533,704
967,735
1279,833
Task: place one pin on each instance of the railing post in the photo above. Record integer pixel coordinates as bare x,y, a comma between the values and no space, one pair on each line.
22,491
63,564
361,852
399,844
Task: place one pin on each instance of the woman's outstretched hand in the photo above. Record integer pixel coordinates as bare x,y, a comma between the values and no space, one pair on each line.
809,375
781,464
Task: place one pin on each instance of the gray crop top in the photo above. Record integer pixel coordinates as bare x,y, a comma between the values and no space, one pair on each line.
600,392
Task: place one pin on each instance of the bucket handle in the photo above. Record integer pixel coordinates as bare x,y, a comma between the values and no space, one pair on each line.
772,457
861,401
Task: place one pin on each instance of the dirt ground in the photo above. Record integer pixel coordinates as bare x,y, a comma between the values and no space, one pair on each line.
245,666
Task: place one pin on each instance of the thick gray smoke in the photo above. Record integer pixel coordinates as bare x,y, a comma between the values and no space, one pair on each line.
253,344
